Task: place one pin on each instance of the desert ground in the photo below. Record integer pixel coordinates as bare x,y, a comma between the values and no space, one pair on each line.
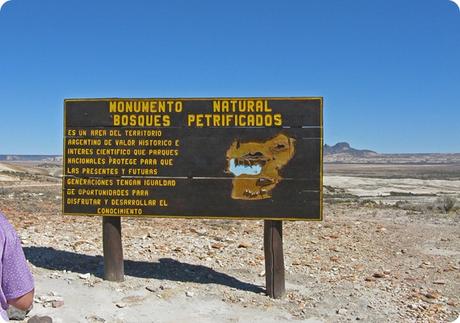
388,250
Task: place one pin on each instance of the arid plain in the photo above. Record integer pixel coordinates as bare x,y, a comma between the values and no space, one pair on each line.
388,250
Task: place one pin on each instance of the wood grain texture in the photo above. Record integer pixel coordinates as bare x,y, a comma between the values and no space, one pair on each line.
113,249
274,258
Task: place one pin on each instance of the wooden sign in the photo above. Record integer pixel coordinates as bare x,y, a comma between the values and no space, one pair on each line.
245,158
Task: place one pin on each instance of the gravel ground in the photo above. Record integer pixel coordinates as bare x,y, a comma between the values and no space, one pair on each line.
367,261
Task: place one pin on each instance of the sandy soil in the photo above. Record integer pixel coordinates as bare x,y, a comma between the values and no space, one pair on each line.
368,261
372,187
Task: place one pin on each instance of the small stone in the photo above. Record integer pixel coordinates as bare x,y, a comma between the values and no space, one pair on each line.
120,305
217,245
200,232
50,298
84,276
439,282
189,294
151,289
244,245
452,302
369,279
334,258
16,314
432,295
40,319
94,319
262,273
341,311
378,275
56,304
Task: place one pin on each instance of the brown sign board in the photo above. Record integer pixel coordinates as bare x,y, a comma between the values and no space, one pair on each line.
243,158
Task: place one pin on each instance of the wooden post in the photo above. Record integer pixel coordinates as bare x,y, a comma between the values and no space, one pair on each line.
274,260
113,249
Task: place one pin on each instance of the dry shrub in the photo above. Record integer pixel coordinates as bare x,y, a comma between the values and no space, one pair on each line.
445,203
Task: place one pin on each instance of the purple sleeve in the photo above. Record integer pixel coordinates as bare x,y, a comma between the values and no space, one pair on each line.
16,277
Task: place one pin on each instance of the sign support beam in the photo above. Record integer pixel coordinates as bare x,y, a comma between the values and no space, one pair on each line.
274,259
113,249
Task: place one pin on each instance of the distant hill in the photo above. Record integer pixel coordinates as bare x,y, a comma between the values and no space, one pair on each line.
345,148
44,158
342,152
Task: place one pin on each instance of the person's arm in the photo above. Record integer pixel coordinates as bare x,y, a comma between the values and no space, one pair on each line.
17,282
24,302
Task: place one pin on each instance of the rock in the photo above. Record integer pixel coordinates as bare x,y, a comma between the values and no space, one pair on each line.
244,245
56,304
120,305
189,294
40,319
217,245
94,319
50,298
432,295
378,275
439,282
341,311
262,273
84,276
16,314
200,232
369,279
452,302
151,289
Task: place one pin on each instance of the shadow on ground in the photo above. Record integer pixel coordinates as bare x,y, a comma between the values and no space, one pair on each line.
164,269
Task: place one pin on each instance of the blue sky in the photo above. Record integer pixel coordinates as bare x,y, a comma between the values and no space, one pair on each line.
389,71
